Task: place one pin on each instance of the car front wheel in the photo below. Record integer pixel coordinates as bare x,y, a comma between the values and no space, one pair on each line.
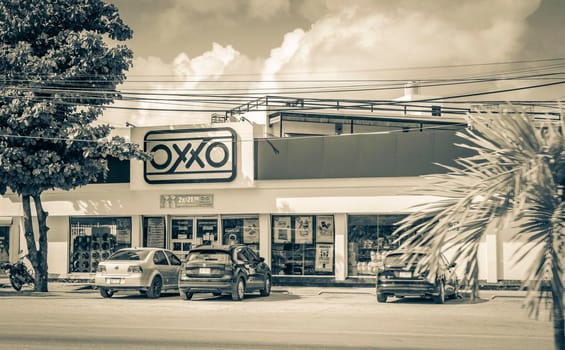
186,295
381,297
265,292
238,291
106,293
154,290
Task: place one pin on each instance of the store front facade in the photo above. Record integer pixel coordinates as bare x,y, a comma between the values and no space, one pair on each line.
204,186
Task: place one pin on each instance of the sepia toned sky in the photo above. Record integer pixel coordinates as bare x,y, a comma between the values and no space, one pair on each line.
264,44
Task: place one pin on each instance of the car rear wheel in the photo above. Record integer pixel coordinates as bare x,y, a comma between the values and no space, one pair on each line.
238,291
186,295
154,290
381,297
106,293
265,292
440,298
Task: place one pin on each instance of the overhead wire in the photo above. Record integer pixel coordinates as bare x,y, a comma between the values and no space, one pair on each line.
400,130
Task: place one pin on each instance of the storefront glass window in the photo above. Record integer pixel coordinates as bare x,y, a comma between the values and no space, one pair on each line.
4,244
94,239
241,230
303,245
369,236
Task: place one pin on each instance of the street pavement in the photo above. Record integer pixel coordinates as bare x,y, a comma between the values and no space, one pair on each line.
74,315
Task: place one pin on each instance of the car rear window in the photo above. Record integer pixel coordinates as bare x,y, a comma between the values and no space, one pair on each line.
214,256
129,255
396,259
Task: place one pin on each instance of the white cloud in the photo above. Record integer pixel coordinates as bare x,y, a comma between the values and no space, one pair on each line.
210,64
355,39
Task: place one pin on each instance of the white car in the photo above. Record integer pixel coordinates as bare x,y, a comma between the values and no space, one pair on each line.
147,270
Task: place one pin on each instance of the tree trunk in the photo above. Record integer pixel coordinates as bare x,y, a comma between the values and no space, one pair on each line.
37,258
558,323
42,272
29,235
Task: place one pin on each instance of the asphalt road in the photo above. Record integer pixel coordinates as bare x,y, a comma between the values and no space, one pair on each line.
308,319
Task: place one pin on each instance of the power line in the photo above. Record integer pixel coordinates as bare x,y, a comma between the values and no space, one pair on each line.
402,130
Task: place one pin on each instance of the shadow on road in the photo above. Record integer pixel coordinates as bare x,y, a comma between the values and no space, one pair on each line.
457,301
207,297
248,297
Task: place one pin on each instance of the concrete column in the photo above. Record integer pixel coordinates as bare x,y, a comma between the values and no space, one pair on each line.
136,231
265,237
340,223
492,256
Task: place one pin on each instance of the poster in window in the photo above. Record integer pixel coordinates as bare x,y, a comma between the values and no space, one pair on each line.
325,229
232,235
303,225
155,234
250,231
282,229
324,258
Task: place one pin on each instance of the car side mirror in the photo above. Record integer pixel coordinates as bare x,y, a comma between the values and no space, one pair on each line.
261,259
452,265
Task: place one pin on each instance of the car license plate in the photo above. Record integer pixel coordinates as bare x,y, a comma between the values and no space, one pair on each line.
204,271
405,274
114,280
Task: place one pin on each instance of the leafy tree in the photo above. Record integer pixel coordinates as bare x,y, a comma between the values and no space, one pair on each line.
57,71
515,179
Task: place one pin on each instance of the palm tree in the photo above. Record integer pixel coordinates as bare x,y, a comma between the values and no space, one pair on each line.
515,179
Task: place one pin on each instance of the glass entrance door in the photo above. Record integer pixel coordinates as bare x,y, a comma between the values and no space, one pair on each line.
182,235
207,231
189,232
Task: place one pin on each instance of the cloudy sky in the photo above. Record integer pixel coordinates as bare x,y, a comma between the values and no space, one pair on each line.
292,46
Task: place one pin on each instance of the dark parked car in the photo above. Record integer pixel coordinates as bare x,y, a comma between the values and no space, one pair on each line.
400,279
233,270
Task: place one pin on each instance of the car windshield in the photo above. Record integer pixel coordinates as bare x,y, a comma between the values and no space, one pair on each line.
215,256
129,255
396,259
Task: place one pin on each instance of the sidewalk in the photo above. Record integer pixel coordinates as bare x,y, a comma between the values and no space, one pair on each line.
87,287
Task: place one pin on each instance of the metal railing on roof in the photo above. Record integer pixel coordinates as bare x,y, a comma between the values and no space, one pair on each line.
430,107
275,104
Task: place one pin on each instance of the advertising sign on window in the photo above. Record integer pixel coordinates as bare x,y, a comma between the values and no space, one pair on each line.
325,229
282,229
155,232
303,225
324,258
250,231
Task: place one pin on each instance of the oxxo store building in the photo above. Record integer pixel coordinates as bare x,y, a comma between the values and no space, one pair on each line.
319,209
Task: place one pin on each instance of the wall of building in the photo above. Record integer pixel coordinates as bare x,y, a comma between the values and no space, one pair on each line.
339,197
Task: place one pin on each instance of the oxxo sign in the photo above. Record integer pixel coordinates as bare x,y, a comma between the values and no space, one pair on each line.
192,155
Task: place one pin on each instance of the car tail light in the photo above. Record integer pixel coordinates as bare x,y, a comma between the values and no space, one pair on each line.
101,268
135,269
386,274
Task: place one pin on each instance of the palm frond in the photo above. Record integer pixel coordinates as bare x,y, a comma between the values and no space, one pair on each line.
505,182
